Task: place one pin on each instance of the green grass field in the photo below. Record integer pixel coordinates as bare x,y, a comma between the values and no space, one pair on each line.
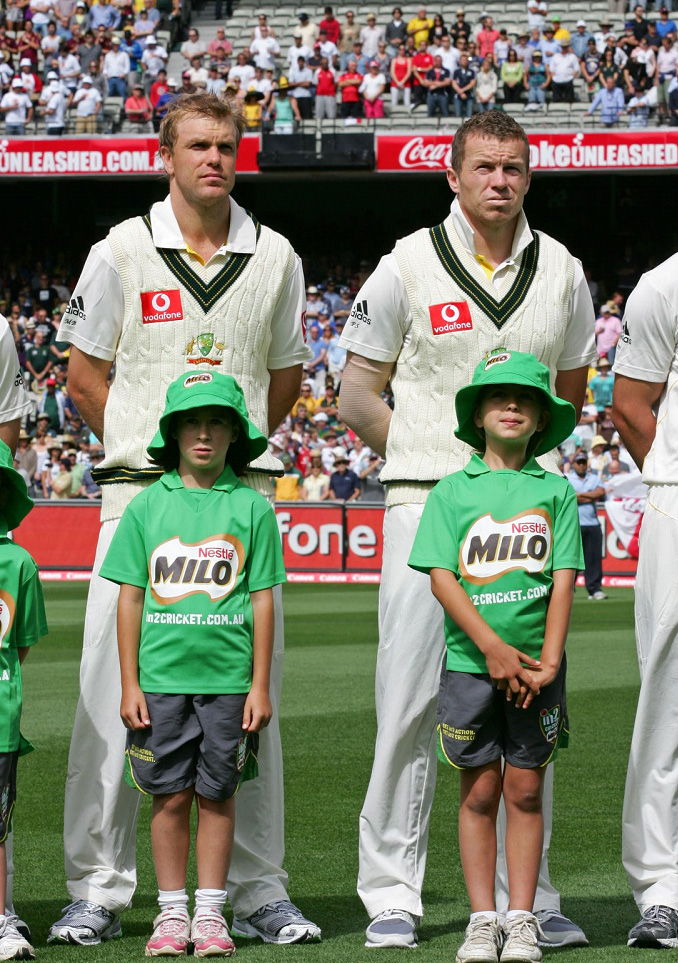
328,731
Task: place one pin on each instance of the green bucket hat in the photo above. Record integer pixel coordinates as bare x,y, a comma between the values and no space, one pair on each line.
200,388
18,503
503,367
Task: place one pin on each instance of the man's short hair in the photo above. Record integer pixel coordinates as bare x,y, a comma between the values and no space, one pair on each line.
199,105
492,124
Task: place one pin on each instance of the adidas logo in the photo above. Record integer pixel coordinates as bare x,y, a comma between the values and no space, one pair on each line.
625,336
76,309
359,312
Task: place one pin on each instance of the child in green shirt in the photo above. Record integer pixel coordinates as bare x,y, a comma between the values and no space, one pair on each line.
196,556
22,623
501,542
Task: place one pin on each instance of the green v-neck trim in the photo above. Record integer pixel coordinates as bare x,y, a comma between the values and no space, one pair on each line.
497,311
205,294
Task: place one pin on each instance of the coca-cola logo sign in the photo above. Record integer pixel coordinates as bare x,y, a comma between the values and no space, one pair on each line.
423,153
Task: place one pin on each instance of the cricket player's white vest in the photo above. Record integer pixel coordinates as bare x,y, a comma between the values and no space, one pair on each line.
224,327
456,320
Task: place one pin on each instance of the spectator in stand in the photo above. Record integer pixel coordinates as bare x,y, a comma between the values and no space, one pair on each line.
8,47
52,405
502,45
51,468
325,91
98,80
317,310
222,63
116,70
579,40
486,38
317,366
587,485
451,54
371,35
300,80
602,385
49,45
144,27
242,71
288,488
316,482
158,88
549,45
89,50
438,83
79,17
336,355
421,64
672,107
328,49
653,38
194,45
512,78
329,402
309,30
396,31
463,85
296,50
536,14
32,83
45,295
639,23
217,84
69,69
486,85
153,60
560,34
642,65
362,63
564,68
610,99
262,21
265,49
87,102
344,484
253,110
418,28
535,80
667,65
17,109
438,30
331,26
220,43
383,59
52,105
461,27
665,25
134,51
138,109
372,88
103,14
601,36
350,32
590,68
608,331
28,44
14,15
38,362
401,77
306,400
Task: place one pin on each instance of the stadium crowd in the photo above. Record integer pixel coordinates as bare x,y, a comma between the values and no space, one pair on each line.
61,57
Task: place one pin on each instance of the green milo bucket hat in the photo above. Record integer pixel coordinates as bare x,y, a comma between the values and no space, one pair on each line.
198,389
18,503
504,367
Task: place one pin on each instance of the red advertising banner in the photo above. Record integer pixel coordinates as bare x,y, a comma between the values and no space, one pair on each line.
97,156
326,538
599,150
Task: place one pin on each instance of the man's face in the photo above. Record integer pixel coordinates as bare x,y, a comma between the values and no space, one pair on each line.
202,165
438,62
610,83
38,337
581,467
493,180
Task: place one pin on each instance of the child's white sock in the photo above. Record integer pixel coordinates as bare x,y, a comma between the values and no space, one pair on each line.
173,897
488,914
512,913
207,899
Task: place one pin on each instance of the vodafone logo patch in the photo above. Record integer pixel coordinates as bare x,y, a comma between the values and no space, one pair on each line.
449,317
161,306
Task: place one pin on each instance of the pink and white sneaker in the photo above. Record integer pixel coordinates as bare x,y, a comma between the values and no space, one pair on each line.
210,935
171,933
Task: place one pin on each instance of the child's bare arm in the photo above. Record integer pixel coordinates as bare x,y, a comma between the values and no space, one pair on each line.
258,709
133,708
555,631
503,660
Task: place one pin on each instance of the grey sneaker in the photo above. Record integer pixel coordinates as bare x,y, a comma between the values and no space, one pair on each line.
279,922
558,930
483,941
14,946
521,934
16,921
393,927
657,929
84,923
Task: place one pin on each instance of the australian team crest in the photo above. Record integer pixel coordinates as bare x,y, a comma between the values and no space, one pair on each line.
204,349
549,722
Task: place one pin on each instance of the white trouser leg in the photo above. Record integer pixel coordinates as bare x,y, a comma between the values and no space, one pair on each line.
9,856
101,810
395,817
394,95
407,96
256,875
546,897
649,821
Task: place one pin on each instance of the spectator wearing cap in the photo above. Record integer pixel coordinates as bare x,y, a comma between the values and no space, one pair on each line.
564,67
52,405
535,80
295,50
52,104
87,102
350,32
138,108
608,331
288,488
372,89
580,38
502,45
309,30
537,11
32,83
153,60
371,34
589,489
601,36
342,309
51,468
602,386
300,79
17,109
317,366
344,484
362,62
116,69
665,24
461,27
548,45
559,32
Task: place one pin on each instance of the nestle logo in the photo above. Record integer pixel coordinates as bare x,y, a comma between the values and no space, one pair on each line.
215,553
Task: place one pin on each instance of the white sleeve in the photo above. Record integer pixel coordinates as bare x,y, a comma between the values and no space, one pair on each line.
380,318
14,402
647,347
93,321
288,342
579,348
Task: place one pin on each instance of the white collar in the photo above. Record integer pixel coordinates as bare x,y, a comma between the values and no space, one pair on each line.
522,237
242,235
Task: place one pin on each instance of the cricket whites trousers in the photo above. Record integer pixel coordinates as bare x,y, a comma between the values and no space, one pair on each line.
395,817
650,815
101,809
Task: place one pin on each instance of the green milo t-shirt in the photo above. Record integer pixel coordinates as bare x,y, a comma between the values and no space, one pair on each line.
503,534
198,553
22,623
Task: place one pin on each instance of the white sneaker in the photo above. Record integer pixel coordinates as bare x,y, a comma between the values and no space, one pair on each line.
392,927
483,940
521,935
13,946
597,596
85,923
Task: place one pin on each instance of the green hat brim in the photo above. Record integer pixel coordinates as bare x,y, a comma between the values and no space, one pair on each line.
562,420
19,503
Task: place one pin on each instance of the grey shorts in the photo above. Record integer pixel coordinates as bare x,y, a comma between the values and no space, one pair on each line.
192,741
477,725
8,761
